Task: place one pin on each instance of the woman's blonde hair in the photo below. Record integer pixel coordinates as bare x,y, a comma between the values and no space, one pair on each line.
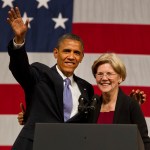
114,61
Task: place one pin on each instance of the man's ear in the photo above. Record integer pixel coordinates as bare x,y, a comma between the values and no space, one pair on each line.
55,52
82,57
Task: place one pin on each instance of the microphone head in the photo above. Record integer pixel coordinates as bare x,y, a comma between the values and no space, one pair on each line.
82,100
94,102
82,103
96,97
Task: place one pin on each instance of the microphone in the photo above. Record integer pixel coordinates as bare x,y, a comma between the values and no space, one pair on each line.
82,104
94,102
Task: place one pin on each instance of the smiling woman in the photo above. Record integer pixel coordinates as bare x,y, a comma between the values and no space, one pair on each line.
115,107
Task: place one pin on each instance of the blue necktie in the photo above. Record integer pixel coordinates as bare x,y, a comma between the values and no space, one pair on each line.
67,99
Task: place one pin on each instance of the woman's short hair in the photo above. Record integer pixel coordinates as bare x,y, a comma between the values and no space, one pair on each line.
112,59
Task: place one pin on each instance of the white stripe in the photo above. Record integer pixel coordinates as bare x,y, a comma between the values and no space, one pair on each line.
112,11
137,67
5,74
9,129
148,124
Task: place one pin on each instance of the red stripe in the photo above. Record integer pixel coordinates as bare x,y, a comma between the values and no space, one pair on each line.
127,90
5,147
12,95
125,39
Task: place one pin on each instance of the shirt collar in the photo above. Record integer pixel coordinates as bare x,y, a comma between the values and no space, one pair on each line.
63,76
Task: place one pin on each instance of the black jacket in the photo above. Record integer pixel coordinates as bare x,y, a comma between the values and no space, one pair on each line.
127,111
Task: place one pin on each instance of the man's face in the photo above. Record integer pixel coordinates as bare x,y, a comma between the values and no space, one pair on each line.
69,55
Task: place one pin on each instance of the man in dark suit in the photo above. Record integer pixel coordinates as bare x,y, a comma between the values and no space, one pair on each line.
43,86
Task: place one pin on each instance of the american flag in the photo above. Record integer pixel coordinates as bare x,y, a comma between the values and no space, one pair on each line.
116,26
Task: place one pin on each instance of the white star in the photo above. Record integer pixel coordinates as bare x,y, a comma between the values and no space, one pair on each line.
60,22
24,18
43,3
7,3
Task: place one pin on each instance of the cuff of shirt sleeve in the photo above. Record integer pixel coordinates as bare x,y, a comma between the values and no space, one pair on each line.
17,46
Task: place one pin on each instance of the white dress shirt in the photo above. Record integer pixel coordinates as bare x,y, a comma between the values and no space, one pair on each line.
74,90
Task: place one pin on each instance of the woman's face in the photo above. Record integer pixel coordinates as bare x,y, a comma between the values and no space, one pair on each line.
107,79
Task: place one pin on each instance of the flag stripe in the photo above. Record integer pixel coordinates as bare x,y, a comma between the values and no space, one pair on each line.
118,38
116,11
5,147
9,129
14,95
134,64
11,96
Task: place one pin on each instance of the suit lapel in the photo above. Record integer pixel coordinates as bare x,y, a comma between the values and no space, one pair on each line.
82,87
58,85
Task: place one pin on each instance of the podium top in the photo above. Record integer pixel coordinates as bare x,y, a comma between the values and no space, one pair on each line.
66,136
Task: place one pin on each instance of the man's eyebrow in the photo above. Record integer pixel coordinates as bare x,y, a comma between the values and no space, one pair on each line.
67,49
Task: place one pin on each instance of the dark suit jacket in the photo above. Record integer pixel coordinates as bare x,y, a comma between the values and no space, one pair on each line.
127,111
43,88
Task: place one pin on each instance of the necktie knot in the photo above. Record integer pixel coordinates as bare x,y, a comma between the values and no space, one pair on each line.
67,81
